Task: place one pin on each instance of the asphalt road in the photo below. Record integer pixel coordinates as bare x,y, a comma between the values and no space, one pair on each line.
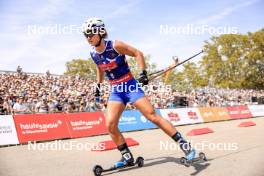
230,150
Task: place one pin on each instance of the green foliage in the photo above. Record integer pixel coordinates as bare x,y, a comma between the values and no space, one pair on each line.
235,61
187,79
178,82
82,68
151,67
87,68
230,61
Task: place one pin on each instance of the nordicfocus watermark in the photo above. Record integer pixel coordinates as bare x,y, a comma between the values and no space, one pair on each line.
60,145
53,29
200,146
137,87
191,29
56,29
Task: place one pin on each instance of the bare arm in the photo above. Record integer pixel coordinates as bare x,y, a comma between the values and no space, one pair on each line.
126,49
100,75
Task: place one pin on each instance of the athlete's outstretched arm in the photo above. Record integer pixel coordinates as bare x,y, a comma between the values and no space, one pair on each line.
126,49
99,75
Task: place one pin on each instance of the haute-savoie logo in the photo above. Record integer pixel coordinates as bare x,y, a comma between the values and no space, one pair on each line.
85,124
38,126
29,128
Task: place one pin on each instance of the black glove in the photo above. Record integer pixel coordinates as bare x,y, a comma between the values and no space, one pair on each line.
143,78
97,92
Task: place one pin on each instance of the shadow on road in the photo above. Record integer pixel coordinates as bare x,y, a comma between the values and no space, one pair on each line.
198,166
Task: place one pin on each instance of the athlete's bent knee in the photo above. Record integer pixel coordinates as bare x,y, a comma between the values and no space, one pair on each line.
112,127
153,117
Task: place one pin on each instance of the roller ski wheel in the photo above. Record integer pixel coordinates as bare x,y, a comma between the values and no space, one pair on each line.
98,170
140,161
202,156
185,162
188,163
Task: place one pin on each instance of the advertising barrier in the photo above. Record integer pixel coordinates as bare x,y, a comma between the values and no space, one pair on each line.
8,134
132,120
239,112
38,127
211,114
182,116
86,124
256,110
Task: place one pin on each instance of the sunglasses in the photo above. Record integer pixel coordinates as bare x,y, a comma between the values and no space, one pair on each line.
89,34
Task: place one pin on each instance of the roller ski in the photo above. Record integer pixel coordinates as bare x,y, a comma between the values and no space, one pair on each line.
189,152
123,163
190,158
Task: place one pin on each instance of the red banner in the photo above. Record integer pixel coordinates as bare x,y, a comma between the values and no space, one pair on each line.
38,127
239,112
86,124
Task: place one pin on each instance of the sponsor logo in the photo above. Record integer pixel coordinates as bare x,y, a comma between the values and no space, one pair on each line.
128,120
33,126
234,112
192,115
245,112
208,114
5,129
85,124
173,117
143,119
222,113
108,66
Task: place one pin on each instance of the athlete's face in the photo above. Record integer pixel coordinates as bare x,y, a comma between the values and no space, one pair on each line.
93,39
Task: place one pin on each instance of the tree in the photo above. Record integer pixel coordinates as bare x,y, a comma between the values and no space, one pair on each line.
230,61
87,68
194,75
82,68
133,65
178,81
235,61
254,69
189,78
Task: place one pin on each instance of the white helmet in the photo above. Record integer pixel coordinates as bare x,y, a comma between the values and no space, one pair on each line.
94,25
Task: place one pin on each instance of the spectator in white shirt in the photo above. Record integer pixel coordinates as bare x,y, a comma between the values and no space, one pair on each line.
19,107
42,106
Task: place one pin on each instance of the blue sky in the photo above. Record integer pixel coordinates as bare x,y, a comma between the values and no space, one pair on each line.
136,22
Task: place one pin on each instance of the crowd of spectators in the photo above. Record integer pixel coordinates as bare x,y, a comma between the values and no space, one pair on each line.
22,93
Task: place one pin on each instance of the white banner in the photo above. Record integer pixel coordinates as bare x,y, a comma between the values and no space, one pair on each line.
256,110
8,134
182,116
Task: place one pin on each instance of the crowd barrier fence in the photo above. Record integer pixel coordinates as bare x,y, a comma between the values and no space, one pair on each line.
18,129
